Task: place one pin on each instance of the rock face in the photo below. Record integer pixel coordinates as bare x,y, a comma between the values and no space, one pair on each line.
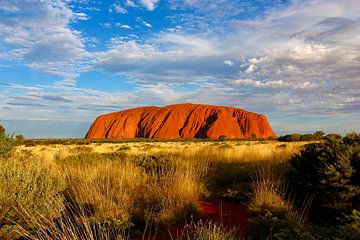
181,121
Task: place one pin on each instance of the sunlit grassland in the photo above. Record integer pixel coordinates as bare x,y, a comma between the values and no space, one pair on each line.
116,190
226,151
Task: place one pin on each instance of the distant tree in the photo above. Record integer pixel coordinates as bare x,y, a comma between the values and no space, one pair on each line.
290,137
253,136
334,136
20,139
222,137
319,134
307,137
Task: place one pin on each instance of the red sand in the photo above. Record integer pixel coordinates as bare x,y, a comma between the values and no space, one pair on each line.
181,121
228,212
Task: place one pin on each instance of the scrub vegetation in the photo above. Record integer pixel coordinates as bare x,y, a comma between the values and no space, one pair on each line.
156,189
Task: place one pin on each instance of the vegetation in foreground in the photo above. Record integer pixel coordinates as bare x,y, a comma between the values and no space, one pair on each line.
138,190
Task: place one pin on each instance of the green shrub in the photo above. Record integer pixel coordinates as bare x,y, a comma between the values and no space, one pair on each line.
352,139
153,162
6,143
333,136
307,137
301,137
29,194
328,168
319,134
290,137
267,226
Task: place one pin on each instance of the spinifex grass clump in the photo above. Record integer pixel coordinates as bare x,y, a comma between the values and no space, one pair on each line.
270,192
28,188
208,231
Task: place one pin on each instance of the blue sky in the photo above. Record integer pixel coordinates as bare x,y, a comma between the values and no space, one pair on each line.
64,62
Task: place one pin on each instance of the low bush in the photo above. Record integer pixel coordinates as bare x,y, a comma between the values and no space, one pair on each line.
7,143
28,188
318,135
290,137
330,169
268,226
333,136
153,162
308,137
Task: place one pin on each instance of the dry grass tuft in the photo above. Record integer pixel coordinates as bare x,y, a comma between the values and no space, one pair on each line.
208,231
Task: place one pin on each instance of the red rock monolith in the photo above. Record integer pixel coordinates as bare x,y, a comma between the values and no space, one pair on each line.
181,121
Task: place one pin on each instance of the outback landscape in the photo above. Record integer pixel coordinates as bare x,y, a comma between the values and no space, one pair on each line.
179,119
297,186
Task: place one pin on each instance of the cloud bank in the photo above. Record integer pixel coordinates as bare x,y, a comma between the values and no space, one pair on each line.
292,61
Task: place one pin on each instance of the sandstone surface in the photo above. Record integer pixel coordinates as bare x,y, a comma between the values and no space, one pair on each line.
181,121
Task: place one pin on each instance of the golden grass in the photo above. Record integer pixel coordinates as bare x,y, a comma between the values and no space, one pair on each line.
270,192
111,191
208,231
233,151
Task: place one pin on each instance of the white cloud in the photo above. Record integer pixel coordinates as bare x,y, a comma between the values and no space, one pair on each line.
117,8
105,25
303,56
275,84
38,34
312,52
119,25
130,3
251,69
180,58
149,4
229,62
147,24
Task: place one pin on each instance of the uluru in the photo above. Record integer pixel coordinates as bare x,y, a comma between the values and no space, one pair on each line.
181,121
